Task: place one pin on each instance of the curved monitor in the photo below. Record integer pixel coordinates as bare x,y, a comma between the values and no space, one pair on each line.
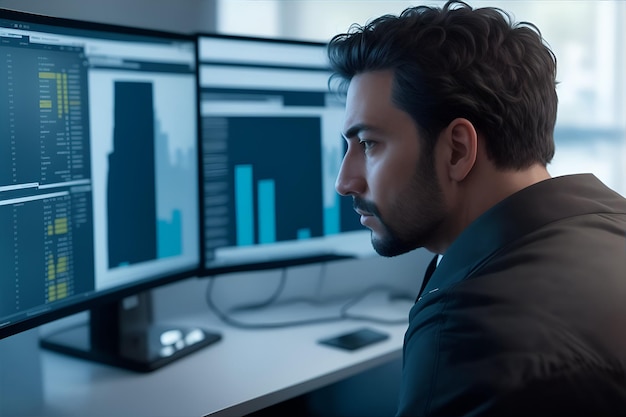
98,172
271,149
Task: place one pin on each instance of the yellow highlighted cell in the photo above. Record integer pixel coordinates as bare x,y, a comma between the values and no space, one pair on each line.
61,291
48,75
60,226
51,270
62,264
52,293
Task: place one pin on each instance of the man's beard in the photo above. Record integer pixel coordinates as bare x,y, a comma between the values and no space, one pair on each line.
411,220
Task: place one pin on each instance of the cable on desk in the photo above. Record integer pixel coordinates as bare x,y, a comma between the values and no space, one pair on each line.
344,312
272,298
226,318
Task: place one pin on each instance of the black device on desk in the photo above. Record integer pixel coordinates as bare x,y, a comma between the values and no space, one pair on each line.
355,339
98,184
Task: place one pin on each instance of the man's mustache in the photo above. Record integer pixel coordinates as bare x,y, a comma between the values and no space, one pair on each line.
365,206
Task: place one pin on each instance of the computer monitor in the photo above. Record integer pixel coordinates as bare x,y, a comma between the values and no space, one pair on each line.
98,183
271,148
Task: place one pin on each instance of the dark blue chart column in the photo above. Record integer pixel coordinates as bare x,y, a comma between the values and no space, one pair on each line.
131,189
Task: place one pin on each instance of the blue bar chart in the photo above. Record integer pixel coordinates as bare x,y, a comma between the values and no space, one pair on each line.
275,194
267,180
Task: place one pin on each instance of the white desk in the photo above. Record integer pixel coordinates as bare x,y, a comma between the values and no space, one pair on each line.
246,371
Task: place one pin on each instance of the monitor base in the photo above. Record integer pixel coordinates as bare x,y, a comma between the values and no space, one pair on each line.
141,351
123,333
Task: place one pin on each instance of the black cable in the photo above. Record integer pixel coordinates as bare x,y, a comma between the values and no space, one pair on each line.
343,314
279,290
242,325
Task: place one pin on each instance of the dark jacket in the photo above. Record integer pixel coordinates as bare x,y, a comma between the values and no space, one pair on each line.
526,313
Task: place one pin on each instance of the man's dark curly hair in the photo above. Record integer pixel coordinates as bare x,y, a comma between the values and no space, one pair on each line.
456,61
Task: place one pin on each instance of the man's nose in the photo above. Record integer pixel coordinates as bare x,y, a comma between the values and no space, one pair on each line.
350,180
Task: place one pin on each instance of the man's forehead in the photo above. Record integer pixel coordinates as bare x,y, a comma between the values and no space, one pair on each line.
369,94
370,82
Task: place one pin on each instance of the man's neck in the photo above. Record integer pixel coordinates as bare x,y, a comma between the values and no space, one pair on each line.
482,189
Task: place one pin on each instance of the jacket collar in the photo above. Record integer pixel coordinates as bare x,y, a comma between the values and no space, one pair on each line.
517,215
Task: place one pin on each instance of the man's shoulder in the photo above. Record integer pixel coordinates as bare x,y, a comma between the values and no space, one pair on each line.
479,346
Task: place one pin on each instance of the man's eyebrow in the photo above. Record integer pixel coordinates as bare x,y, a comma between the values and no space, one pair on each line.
356,129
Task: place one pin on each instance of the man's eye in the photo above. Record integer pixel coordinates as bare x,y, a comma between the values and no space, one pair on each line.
367,144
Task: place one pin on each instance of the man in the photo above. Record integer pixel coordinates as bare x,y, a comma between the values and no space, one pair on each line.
450,115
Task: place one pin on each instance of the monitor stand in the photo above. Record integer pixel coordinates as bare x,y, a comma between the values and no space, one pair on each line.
122,334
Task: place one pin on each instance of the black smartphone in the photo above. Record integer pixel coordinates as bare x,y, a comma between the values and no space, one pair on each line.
355,339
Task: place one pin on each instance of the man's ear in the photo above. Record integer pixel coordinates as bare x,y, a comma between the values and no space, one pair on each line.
461,145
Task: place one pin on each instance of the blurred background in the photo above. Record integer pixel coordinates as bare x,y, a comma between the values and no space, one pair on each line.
588,38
